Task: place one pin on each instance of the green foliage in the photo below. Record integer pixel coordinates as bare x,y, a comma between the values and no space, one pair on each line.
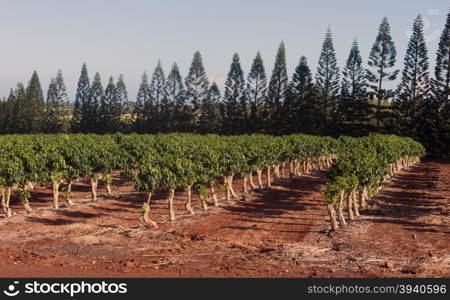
327,79
414,87
365,162
277,92
234,112
381,61
197,90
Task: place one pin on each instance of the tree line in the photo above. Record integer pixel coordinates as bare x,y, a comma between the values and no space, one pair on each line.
354,101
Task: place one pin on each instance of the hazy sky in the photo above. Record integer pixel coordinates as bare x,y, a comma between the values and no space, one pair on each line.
128,37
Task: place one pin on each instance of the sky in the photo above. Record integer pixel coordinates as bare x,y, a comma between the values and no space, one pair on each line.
128,37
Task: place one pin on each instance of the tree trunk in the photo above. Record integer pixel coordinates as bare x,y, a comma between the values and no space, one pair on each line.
188,201
277,172
283,165
214,196
259,173
27,206
350,205
360,196
149,197
291,169
250,179
364,197
269,185
332,214
108,185
304,167
227,187
170,204
296,168
67,197
245,187
94,183
355,204
55,194
204,204
340,209
145,219
5,202
230,182
8,197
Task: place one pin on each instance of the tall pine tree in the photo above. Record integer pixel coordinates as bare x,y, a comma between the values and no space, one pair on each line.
353,105
442,68
327,80
119,107
157,93
414,87
81,98
381,60
210,121
234,106
91,118
176,111
142,104
256,93
277,92
197,89
306,111
16,100
57,118
34,109
106,117
434,119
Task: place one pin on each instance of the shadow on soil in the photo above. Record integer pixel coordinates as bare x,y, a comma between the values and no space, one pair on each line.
395,204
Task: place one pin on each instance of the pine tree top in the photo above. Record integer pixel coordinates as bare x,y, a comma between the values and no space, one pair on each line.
383,52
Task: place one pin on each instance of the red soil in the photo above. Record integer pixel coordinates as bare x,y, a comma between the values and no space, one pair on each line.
281,232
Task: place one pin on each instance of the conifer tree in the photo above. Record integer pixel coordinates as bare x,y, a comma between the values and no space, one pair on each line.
11,123
327,80
3,112
81,98
415,82
34,109
90,120
353,105
256,93
157,93
106,117
176,111
442,68
210,121
57,119
434,119
306,111
197,89
234,104
18,123
119,106
381,60
142,103
51,118
277,92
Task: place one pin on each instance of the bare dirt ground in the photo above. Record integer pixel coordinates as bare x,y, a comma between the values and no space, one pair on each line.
281,232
